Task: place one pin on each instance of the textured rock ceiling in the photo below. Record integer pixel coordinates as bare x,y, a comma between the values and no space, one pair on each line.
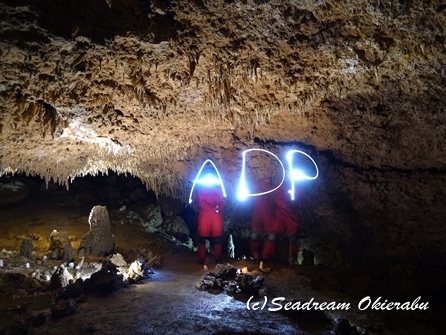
153,88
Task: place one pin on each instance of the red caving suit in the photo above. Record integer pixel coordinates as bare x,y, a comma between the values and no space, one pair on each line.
285,222
262,218
210,218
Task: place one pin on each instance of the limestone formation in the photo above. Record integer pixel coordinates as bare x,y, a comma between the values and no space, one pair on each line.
99,241
152,92
228,278
175,226
153,217
61,246
118,260
153,88
138,271
26,248
105,281
61,277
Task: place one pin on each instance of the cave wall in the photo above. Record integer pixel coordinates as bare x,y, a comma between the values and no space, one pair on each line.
371,217
154,88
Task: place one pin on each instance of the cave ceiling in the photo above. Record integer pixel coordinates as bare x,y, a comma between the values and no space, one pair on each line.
153,88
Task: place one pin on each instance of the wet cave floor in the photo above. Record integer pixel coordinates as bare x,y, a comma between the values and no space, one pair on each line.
169,302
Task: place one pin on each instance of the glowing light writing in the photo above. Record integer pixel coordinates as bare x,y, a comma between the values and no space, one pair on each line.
208,179
243,189
298,174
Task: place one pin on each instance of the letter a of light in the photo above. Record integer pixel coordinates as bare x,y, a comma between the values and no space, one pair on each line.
297,174
243,190
207,179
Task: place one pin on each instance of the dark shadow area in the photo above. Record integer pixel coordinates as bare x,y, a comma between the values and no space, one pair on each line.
112,190
37,209
101,20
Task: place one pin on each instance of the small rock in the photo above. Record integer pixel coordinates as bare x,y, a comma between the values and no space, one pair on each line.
118,260
61,277
63,308
342,326
60,245
138,270
26,248
37,319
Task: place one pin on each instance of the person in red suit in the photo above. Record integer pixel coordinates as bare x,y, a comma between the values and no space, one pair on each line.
262,217
210,221
285,222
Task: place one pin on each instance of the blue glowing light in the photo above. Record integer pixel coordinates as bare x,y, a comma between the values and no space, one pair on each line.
208,179
243,190
298,174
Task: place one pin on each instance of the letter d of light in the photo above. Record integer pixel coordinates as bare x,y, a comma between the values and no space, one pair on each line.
243,189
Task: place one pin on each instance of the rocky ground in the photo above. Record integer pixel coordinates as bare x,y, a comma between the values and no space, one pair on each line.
169,302
171,297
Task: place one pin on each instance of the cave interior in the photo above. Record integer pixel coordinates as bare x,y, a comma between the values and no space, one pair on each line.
118,103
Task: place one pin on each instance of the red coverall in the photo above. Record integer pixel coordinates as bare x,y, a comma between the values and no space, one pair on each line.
284,222
210,221
261,221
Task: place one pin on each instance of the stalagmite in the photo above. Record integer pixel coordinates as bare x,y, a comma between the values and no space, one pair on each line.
99,241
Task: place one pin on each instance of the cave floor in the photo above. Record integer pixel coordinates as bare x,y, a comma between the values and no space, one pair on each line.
169,301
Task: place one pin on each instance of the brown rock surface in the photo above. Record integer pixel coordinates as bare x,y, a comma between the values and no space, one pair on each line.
154,88
151,89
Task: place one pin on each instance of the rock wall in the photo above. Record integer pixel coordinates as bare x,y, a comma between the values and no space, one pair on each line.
371,217
154,88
